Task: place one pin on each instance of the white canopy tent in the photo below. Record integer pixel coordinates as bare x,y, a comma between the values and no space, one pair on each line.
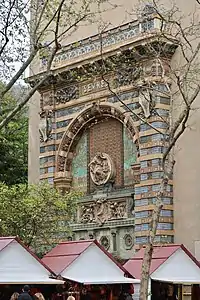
23,281
86,262
18,265
183,282
172,264
95,267
105,280
179,268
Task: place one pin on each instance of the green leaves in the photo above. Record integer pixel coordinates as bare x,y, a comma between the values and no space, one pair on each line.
36,213
14,143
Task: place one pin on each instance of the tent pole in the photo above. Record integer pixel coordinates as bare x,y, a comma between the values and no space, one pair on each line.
149,289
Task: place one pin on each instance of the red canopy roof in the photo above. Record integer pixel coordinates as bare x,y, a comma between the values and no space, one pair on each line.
60,257
160,255
5,241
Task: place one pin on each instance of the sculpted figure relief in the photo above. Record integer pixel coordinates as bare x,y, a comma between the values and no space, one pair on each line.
101,169
102,211
45,126
144,100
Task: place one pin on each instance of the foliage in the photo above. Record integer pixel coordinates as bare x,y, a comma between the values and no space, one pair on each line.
35,213
14,144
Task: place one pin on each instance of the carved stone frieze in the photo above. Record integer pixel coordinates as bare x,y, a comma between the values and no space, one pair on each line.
102,211
127,75
66,143
101,169
66,94
47,99
61,163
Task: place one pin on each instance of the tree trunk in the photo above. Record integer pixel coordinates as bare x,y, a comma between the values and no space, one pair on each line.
145,272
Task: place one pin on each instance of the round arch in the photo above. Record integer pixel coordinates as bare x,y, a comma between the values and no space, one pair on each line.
72,134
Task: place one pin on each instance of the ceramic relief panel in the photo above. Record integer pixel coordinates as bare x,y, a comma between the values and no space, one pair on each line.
79,164
130,157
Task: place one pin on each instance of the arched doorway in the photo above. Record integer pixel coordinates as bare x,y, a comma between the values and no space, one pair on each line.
89,118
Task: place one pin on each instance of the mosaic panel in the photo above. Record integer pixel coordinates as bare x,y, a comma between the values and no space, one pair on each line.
79,164
47,159
44,149
130,157
91,46
62,124
68,111
124,97
158,239
150,201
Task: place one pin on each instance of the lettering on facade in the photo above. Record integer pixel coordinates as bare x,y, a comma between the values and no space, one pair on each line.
93,87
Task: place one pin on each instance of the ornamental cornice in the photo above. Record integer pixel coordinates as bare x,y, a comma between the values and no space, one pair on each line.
120,37
108,224
117,195
132,55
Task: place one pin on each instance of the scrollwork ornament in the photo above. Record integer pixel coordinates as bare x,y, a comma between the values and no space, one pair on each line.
128,241
66,94
104,240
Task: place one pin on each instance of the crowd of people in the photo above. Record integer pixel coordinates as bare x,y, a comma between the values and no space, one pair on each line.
70,291
25,295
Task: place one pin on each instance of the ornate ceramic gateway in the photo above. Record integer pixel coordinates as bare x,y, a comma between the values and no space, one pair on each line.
101,169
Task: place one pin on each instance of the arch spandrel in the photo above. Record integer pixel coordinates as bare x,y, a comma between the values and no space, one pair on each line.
72,134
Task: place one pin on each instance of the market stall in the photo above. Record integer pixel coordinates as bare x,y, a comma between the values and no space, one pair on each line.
173,269
87,266
19,265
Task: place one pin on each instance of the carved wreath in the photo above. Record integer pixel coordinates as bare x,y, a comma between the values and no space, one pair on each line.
101,169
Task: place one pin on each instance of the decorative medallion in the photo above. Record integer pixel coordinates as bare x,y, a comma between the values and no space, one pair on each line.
45,126
128,240
101,169
104,240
